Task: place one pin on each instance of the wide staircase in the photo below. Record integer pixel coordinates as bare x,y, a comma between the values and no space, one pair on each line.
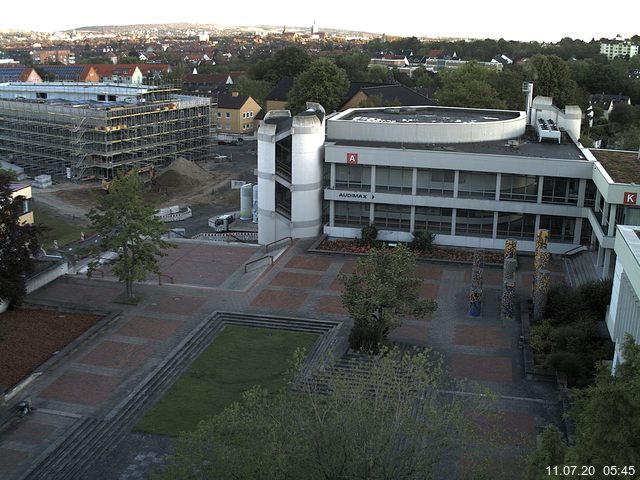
579,268
71,457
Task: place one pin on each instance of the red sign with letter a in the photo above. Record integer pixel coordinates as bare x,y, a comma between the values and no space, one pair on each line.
630,198
352,158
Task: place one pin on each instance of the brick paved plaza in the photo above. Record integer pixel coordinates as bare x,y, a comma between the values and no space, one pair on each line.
94,377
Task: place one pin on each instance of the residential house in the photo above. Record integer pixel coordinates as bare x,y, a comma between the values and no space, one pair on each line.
236,114
66,57
278,97
23,190
607,102
70,73
18,73
619,48
383,94
204,85
119,73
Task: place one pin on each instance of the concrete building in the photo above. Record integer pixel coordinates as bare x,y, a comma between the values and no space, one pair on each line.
75,130
473,177
618,48
623,316
290,174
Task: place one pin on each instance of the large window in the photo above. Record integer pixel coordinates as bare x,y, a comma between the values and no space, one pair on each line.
560,190
353,177
394,179
516,225
474,223
477,185
590,194
283,158
283,200
522,188
392,217
435,182
433,219
560,228
351,214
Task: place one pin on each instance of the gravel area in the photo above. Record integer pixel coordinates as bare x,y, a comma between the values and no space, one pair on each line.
29,337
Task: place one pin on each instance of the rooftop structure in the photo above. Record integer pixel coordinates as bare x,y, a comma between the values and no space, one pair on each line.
96,129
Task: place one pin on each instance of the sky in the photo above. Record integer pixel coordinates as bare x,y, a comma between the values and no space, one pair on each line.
511,20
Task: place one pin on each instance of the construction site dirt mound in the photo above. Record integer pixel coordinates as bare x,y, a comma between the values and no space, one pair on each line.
184,173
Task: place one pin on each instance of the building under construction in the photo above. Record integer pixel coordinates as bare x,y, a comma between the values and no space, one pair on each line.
80,130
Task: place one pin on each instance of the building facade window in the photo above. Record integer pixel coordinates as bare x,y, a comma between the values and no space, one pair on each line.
474,223
523,188
353,177
433,219
560,190
392,217
435,182
561,229
516,225
476,185
283,158
394,179
227,115
351,214
283,200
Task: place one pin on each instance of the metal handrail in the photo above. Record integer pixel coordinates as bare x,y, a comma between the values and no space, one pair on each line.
572,250
266,247
257,260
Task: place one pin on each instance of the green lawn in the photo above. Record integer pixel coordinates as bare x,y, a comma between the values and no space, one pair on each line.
60,228
238,359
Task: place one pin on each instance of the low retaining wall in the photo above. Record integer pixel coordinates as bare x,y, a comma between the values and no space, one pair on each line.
47,276
174,216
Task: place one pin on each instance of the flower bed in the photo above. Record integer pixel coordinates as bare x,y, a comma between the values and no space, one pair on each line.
438,253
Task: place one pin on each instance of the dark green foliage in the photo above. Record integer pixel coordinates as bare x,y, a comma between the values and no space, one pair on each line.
570,339
287,62
364,426
422,241
552,78
18,244
379,293
369,235
607,421
551,451
323,82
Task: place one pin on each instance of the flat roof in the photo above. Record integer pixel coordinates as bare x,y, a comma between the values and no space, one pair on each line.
527,146
622,166
427,115
80,87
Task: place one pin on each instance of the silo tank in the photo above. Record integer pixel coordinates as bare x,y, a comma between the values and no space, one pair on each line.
246,201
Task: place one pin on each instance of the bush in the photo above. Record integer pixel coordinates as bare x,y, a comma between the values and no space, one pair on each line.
369,235
366,337
595,296
422,241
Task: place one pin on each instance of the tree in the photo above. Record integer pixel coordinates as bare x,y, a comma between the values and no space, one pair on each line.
323,82
256,89
355,64
607,421
469,86
287,62
551,78
364,426
379,292
18,244
125,223
607,415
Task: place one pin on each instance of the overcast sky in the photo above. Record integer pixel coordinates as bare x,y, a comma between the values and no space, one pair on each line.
513,20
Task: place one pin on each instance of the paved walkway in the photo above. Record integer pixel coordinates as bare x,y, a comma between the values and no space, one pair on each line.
101,372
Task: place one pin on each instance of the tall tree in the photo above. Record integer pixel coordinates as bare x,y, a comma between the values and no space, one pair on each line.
18,244
551,78
365,425
323,82
287,62
125,222
379,293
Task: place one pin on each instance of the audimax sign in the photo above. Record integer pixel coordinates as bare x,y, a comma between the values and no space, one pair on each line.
363,196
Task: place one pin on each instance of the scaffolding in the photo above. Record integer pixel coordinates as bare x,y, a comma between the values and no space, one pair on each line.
92,140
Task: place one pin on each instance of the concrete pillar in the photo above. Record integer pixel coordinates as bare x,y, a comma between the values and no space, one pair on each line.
606,264
456,180
600,256
494,232
412,219
605,214
577,231
332,175
508,299
453,221
582,190
540,187
541,293
373,179
332,213
612,220
414,182
498,185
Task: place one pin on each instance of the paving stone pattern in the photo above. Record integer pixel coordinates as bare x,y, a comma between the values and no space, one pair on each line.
100,373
